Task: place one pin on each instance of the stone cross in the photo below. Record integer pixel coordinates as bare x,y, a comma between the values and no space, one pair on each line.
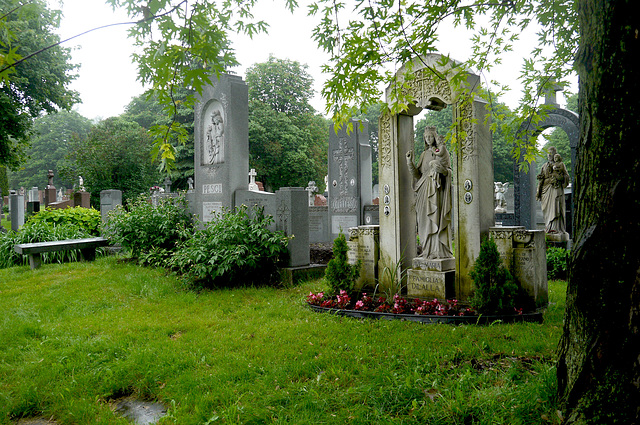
50,177
252,180
311,189
550,93
190,183
167,185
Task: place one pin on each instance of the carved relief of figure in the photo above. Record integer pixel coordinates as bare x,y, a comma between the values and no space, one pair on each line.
432,185
552,180
214,142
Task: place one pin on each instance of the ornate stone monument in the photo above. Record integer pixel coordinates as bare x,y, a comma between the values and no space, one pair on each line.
221,159
349,177
472,170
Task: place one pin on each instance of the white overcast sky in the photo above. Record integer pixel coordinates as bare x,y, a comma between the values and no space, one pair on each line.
107,75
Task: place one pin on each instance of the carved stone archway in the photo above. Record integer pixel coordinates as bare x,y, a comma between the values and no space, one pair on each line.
473,168
525,182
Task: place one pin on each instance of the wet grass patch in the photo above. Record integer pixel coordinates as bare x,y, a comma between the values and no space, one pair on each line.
76,336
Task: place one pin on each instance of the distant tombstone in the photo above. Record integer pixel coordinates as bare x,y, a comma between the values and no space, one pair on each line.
50,194
190,184
221,138
371,215
16,203
292,217
318,224
349,177
109,200
252,180
33,201
253,198
167,185
82,199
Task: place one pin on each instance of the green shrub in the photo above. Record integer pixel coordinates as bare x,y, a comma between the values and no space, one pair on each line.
339,273
235,249
496,291
84,218
557,263
39,231
143,228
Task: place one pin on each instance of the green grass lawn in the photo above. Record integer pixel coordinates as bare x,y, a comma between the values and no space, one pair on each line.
74,337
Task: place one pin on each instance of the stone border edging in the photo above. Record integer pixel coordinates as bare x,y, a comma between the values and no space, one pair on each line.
535,317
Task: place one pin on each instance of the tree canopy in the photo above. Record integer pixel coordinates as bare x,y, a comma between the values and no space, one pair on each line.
34,86
115,155
288,140
53,135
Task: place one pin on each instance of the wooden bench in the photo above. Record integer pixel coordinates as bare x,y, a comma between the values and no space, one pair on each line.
86,246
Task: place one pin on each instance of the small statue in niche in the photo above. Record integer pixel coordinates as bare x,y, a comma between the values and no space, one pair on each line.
500,202
214,146
552,180
432,186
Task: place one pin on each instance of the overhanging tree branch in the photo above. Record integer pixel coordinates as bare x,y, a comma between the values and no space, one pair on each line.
44,49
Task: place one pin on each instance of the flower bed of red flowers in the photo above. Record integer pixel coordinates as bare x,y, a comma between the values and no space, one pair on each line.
433,311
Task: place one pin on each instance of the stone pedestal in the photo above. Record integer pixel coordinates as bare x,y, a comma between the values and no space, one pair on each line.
428,284
431,278
364,245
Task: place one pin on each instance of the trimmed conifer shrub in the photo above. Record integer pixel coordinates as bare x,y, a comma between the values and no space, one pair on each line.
496,290
339,273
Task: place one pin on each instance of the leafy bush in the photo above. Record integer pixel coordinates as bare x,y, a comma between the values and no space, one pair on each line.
233,250
84,218
40,231
557,263
496,290
143,228
339,273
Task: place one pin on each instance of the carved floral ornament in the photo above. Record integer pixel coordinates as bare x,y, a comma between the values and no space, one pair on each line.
429,90
385,139
427,86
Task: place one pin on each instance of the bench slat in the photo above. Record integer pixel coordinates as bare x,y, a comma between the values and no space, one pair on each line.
65,245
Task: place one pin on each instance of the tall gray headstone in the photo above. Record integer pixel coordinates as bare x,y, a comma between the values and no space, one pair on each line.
16,205
292,217
349,178
221,137
109,200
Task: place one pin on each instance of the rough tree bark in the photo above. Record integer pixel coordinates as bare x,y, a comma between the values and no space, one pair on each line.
599,357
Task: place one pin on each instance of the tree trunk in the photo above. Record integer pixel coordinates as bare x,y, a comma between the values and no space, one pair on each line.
599,358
